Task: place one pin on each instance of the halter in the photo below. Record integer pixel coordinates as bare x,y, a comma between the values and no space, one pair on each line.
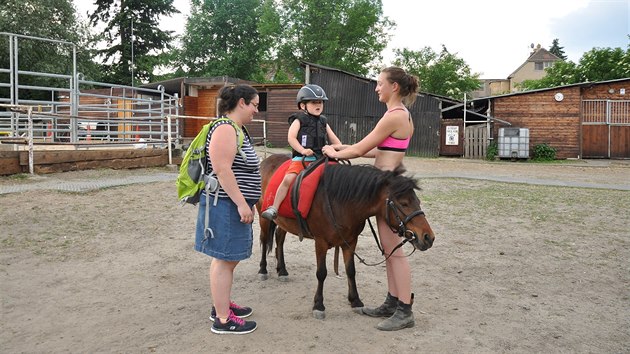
402,231
402,222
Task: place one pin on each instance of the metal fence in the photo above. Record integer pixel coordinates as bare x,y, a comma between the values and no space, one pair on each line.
68,109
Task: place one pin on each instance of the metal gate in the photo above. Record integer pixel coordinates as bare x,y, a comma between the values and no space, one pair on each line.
606,129
65,108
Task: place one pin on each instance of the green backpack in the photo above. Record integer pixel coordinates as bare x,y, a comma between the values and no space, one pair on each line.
193,177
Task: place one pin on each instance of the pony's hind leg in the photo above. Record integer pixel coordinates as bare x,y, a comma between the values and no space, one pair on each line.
264,238
319,310
262,270
353,293
281,267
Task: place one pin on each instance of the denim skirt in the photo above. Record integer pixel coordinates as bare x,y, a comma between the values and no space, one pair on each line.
229,238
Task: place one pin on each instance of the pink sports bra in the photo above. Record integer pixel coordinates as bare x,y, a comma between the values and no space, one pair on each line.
395,144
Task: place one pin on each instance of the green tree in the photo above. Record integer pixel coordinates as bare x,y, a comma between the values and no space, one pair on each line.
442,74
61,24
601,64
598,64
557,50
223,37
132,26
344,34
270,29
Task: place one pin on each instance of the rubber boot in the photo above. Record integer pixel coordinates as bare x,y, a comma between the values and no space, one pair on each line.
270,213
402,318
385,310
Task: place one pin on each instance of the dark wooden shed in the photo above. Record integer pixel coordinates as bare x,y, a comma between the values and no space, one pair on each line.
585,120
353,109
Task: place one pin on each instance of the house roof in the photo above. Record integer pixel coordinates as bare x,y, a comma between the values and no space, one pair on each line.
540,54
441,98
543,54
175,85
172,86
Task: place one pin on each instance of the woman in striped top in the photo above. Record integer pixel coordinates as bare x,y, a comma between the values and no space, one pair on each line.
228,238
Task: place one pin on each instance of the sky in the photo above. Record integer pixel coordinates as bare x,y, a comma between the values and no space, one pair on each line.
493,37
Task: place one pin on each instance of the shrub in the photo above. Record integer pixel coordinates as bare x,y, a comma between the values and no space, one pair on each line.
493,151
544,152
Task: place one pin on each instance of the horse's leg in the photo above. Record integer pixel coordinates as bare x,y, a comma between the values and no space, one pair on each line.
264,235
353,293
281,267
321,247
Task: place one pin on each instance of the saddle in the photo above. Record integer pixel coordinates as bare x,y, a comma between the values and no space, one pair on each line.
301,192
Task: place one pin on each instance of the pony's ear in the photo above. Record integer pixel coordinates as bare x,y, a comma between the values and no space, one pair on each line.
400,170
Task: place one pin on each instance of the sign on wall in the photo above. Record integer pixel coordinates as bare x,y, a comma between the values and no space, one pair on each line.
452,135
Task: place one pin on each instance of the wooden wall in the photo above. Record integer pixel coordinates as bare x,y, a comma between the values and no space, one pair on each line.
190,129
204,105
556,123
280,105
353,110
602,91
51,161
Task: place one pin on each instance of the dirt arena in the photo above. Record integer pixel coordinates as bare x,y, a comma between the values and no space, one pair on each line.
518,265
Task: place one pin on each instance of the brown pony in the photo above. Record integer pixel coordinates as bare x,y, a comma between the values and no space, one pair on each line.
346,196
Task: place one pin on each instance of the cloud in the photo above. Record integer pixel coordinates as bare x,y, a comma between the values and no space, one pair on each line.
602,24
494,36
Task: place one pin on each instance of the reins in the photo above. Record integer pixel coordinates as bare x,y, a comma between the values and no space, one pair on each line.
378,244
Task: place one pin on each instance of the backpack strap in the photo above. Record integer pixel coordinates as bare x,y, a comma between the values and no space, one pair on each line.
241,133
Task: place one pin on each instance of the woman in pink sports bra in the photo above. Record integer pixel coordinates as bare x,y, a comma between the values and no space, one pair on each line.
387,143
395,144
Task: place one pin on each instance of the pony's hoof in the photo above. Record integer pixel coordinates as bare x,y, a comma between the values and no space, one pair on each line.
263,276
320,315
283,278
358,310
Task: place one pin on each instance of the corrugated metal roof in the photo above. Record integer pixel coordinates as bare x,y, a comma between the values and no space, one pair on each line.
582,84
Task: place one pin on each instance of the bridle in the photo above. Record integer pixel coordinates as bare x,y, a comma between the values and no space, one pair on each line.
402,231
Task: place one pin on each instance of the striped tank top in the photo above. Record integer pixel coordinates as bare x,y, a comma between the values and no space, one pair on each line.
246,168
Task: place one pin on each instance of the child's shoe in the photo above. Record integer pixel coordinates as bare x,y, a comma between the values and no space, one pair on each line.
270,213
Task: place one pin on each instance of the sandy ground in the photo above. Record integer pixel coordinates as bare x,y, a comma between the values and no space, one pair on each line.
516,267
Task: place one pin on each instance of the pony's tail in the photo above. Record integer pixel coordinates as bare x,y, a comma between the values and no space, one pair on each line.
271,235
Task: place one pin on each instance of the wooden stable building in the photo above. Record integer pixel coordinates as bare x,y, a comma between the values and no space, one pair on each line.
585,120
199,98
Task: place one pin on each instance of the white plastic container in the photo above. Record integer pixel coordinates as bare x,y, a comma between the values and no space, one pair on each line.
514,143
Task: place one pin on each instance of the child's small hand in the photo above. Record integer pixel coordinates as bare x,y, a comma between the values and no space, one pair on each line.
307,152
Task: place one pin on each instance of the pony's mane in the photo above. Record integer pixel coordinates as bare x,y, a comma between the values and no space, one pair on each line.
361,183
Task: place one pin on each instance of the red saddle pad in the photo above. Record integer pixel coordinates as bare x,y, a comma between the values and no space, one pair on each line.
307,191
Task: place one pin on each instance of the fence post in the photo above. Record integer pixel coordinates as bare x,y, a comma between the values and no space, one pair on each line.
170,149
31,167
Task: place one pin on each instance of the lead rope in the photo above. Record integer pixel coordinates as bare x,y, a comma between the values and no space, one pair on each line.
381,248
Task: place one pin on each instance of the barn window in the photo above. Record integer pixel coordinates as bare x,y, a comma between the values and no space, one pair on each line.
262,105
